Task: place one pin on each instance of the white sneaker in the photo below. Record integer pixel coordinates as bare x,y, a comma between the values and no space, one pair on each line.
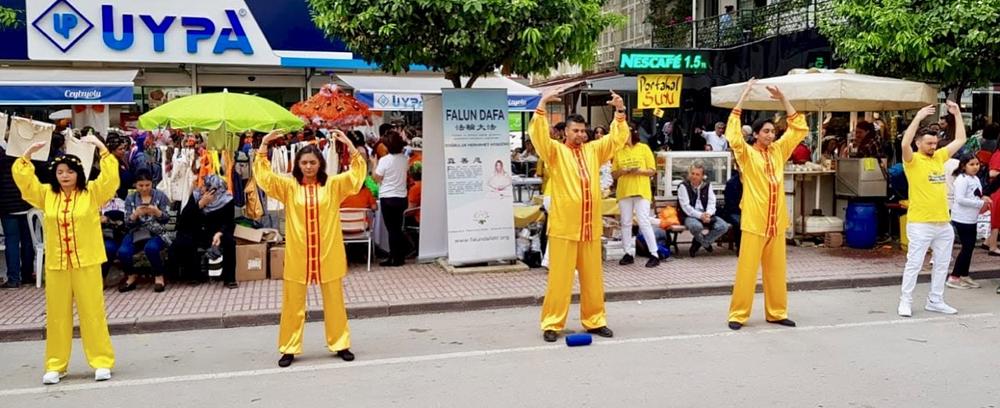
970,283
940,307
52,377
905,309
102,374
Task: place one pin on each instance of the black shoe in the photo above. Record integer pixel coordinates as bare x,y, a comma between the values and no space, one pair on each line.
550,336
10,285
695,246
783,322
159,287
709,249
286,360
653,262
345,355
627,260
602,331
125,287
232,285
735,325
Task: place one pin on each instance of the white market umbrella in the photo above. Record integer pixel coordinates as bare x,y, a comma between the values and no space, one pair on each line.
61,114
840,90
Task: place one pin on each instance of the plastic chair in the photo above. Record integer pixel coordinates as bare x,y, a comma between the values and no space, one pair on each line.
35,217
356,226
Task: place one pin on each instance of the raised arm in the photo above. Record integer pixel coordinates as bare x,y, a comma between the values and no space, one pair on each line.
619,133
797,128
734,128
960,136
276,186
106,184
911,131
32,190
538,129
350,182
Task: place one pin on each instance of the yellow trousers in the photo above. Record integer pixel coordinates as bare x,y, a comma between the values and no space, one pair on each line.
86,286
757,251
566,257
293,317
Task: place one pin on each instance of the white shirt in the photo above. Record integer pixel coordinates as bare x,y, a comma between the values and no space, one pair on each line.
699,208
718,143
967,204
392,168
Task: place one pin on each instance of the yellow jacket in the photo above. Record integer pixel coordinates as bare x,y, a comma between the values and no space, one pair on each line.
72,223
574,178
763,172
314,249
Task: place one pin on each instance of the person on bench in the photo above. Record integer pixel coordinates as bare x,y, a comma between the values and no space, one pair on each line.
697,202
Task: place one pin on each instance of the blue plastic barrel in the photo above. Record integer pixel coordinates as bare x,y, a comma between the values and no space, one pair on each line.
861,225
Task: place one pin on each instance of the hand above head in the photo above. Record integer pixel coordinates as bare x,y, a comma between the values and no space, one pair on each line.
617,102
34,148
924,113
746,92
549,96
776,93
274,135
953,108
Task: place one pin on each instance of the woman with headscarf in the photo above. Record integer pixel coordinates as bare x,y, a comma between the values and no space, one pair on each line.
314,241
206,222
74,251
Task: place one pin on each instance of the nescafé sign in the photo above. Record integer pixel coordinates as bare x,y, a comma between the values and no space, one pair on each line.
636,61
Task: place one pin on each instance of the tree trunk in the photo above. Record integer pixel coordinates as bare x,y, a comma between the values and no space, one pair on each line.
456,80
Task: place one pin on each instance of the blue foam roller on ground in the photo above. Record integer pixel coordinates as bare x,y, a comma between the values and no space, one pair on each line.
579,339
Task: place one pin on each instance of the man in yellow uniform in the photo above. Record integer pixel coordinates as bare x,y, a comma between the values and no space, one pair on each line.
574,225
927,218
764,217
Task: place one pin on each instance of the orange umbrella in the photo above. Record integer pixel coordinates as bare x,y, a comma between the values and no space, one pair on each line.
332,107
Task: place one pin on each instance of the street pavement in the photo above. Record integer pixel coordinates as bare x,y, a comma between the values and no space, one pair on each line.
850,350
416,289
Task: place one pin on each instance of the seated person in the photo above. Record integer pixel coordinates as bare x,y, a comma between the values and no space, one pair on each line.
697,202
112,225
731,208
413,195
206,221
146,218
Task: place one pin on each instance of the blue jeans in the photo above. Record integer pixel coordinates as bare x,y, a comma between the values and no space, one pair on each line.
20,251
695,226
151,247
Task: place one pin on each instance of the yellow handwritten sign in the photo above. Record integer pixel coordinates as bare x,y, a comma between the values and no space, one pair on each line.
659,91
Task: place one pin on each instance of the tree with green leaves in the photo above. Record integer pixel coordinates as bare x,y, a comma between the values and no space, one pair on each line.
467,38
9,17
954,43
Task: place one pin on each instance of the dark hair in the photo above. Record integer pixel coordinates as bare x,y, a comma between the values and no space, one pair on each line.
962,162
759,124
143,175
75,165
591,135
297,171
395,142
416,171
634,136
384,128
575,118
602,128
991,131
357,138
868,127
561,126
924,131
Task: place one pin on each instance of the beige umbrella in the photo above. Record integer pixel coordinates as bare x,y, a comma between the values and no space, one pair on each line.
840,90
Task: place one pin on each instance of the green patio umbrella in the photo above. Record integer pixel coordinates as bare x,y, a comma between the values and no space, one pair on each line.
222,112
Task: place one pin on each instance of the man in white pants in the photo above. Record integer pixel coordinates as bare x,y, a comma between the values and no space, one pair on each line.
632,167
927,216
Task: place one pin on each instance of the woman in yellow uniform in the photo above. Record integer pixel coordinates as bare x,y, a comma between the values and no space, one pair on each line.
314,251
575,216
632,167
764,217
74,252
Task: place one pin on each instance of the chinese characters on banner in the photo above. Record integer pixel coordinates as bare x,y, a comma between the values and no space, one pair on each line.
478,183
659,91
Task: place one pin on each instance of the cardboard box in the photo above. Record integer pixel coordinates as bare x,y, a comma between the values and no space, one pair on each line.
251,262
276,265
248,234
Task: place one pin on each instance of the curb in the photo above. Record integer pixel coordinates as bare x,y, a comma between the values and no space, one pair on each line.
205,321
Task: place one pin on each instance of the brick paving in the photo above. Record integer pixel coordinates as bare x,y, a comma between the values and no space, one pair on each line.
416,288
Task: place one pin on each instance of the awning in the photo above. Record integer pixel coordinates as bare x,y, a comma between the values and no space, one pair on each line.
403,93
41,86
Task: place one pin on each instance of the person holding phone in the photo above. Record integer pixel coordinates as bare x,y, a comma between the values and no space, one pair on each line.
146,218
314,249
632,167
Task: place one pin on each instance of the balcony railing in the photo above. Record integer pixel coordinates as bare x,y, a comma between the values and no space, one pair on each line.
745,26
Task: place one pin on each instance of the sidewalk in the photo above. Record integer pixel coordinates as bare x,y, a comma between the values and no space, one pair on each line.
427,289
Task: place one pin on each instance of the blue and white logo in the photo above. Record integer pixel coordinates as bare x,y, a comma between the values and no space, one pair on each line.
63,25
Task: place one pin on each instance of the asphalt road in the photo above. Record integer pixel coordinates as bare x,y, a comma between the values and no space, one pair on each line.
850,350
